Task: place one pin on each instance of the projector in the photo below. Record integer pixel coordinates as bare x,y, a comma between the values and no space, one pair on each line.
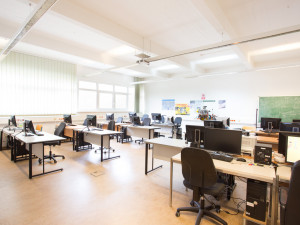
142,62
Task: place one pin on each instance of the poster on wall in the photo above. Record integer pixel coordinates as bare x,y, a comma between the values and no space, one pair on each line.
222,104
168,104
195,106
182,109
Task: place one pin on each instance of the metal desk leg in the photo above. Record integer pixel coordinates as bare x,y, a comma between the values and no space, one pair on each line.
274,214
108,151
101,148
146,160
30,161
171,182
1,134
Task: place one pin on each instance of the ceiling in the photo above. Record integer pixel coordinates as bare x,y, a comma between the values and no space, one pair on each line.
106,35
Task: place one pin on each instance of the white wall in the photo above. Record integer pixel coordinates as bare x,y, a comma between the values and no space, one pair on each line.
241,91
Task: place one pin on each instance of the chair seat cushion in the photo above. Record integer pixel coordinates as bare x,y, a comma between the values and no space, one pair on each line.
213,190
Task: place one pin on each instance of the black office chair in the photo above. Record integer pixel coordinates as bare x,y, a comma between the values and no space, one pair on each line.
119,120
146,122
125,137
85,122
200,175
59,131
290,212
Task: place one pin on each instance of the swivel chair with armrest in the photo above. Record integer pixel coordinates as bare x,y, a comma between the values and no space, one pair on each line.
200,175
144,116
146,122
59,131
289,213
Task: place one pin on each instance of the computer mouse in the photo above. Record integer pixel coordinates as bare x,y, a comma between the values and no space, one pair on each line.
241,159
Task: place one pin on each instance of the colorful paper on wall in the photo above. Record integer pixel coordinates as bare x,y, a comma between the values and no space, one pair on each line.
168,104
182,109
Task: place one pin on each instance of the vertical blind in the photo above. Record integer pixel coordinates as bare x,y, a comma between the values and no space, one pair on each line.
31,85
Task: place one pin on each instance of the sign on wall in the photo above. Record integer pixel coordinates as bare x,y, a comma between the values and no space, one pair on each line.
182,109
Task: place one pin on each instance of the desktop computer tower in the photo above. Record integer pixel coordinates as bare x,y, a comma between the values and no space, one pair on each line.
256,202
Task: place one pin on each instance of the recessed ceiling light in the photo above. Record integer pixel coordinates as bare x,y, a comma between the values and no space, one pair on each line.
122,50
217,59
279,48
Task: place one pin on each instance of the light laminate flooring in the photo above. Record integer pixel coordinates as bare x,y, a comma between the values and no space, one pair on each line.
90,192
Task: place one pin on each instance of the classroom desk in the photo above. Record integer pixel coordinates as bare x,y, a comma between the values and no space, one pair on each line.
261,133
140,131
284,173
35,145
68,132
165,127
241,169
269,140
104,125
97,137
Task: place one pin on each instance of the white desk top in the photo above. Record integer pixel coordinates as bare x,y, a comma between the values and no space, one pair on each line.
242,169
284,173
13,131
144,127
38,139
102,132
168,142
163,124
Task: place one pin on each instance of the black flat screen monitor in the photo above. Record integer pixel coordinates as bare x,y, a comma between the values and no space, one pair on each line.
292,127
91,120
292,144
12,120
29,126
156,116
110,116
195,134
131,115
227,141
136,121
213,124
296,121
269,123
67,118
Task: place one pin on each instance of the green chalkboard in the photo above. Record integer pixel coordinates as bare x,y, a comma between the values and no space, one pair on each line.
285,107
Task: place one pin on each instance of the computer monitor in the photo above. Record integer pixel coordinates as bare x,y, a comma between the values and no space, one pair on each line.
227,141
12,120
292,144
269,123
91,120
136,120
28,126
214,124
292,127
67,118
195,133
156,116
296,121
110,116
131,115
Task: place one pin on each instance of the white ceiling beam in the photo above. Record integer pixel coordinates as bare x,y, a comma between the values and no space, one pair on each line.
214,15
32,19
235,42
113,30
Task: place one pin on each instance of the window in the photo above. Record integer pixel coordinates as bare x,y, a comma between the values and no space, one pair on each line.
105,100
121,101
99,96
31,85
87,100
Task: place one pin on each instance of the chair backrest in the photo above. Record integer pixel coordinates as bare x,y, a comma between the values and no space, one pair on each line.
144,116
162,119
39,127
177,121
292,208
198,168
111,125
119,120
147,122
59,131
85,122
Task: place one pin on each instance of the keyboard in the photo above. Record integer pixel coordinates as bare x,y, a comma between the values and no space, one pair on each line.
222,157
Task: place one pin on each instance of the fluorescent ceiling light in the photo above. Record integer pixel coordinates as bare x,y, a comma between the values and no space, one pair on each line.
127,71
279,48
167,67
217,59
122,50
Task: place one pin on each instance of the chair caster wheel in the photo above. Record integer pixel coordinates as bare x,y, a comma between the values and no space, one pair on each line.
177,214
55,161
192,203
40,161
63,157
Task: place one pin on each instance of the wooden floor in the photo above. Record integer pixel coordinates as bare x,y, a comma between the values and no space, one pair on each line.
90,192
